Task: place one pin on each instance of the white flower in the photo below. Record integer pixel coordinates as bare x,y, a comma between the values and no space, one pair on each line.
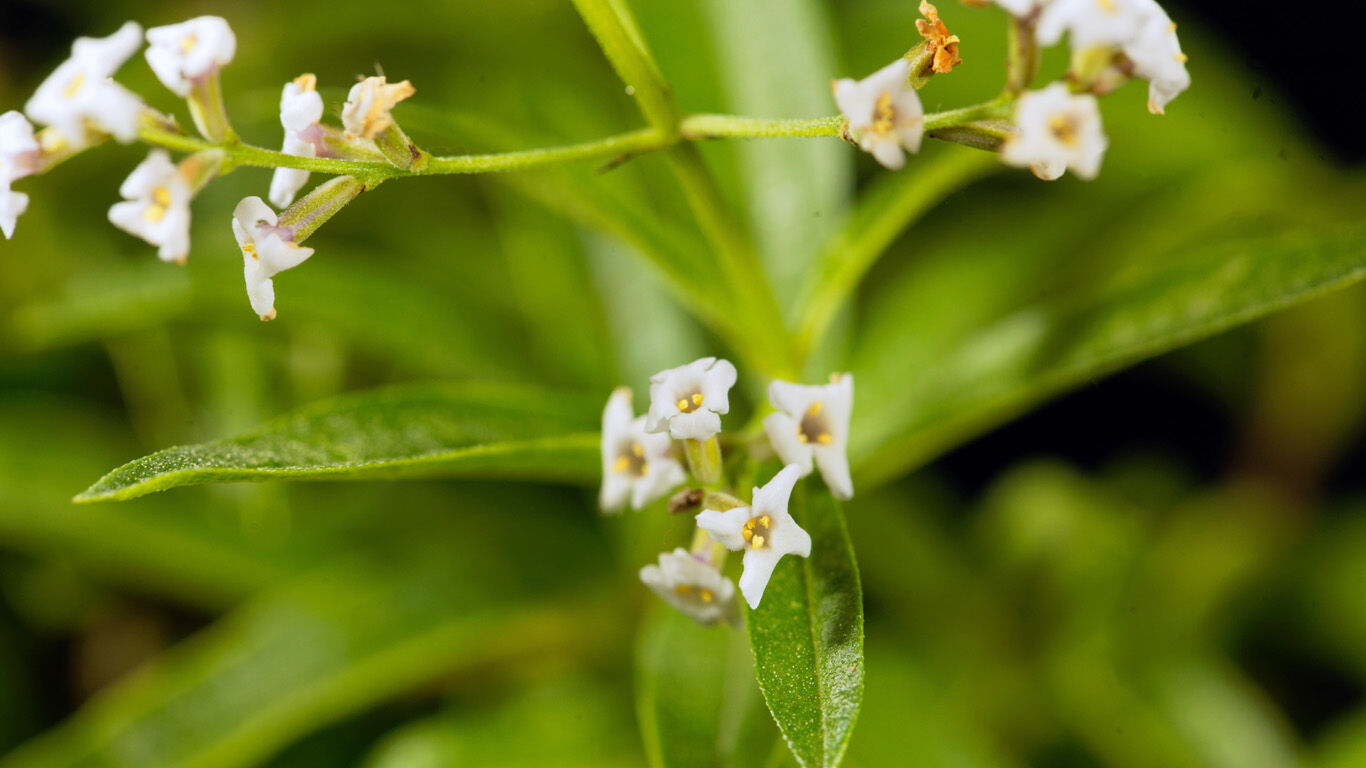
884,113
688,401
79,95
764,530
1057,131
692,586
267,250
183,54
636,464
1022,8
157,206
19,154
1157,57
1094,22
300,110
812,424
366,113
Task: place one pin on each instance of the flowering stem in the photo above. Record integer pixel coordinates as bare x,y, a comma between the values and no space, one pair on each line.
1022,55
698,127
704,460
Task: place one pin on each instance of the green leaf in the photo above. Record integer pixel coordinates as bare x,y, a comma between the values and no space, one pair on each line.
923,399
420,608
807,636
695,695
412,431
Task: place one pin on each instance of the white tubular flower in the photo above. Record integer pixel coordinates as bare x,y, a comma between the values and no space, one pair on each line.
1157,58
157,207
884,113
79,95
764,530
186,53
692,586
300,110
636,464
688,401
19,153
1057,131
366,113
1094,22
267,250
812,424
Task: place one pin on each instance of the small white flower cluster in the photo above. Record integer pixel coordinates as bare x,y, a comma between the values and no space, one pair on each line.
809,429
1053,128
82,105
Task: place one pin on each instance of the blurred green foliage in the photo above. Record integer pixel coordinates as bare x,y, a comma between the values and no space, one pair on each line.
1126,611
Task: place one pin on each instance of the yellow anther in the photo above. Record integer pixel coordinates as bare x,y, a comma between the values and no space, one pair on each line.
707,596
756,531
802,436
690,403
632,461
682,589
187,43
307,81
1064,128
250,250
884,115
1181,57
682,405
638,449
815,409
161,202
622,464
824,438
697,399
75,85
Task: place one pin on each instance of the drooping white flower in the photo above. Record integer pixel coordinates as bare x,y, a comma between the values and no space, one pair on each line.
1094,22
267,250
688,401
19,154
636,464
366,113
884,113
301,107
764,530
812,425
691,585
1058,130
157,206
79,95
186,53
1157,57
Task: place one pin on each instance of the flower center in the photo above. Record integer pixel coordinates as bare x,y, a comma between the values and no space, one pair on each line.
1065,129
705,595
74,87
632,461
756,531
690,403
250,250
161,201
187,43
1107,5
813,428
884,115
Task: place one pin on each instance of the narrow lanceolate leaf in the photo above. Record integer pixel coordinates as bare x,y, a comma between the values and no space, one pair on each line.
412,431
1142,310
807,636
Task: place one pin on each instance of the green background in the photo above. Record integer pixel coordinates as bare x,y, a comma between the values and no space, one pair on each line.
1193,600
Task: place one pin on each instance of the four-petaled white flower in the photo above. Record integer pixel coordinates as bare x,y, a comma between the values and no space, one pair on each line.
267,250
688,401
301,107
764,530
1057,130
19,154
157,206
691,585
366,113
636,464
1093,22
812,424
80,96
884,113
1156,55
183,54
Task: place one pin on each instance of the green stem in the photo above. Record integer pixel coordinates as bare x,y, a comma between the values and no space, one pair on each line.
704,460
699,127
620,39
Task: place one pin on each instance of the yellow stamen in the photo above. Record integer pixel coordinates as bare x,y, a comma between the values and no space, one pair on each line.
1181,57
187,43
813,427
756,531
307,81
250,250
75,85
161,201
815,409
631,461
690,403
682,589
1064,128
884,115
707,596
